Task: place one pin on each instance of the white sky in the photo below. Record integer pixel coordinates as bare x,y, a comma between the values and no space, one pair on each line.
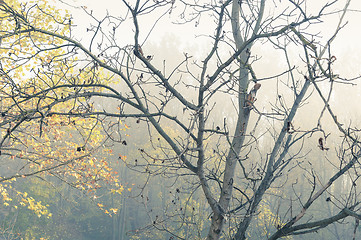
350,35
346,47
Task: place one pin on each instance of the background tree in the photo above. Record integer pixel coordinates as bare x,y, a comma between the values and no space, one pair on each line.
243,162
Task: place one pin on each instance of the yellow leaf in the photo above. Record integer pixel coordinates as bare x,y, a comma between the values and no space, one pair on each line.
114,210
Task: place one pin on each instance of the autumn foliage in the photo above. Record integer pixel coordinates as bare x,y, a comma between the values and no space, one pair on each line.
44,129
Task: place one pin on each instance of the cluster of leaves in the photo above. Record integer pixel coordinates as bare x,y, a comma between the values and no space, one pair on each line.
74,216
44,101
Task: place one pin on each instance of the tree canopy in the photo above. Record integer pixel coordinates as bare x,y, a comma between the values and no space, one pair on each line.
39,138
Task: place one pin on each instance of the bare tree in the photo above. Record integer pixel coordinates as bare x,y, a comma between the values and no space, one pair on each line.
233,169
